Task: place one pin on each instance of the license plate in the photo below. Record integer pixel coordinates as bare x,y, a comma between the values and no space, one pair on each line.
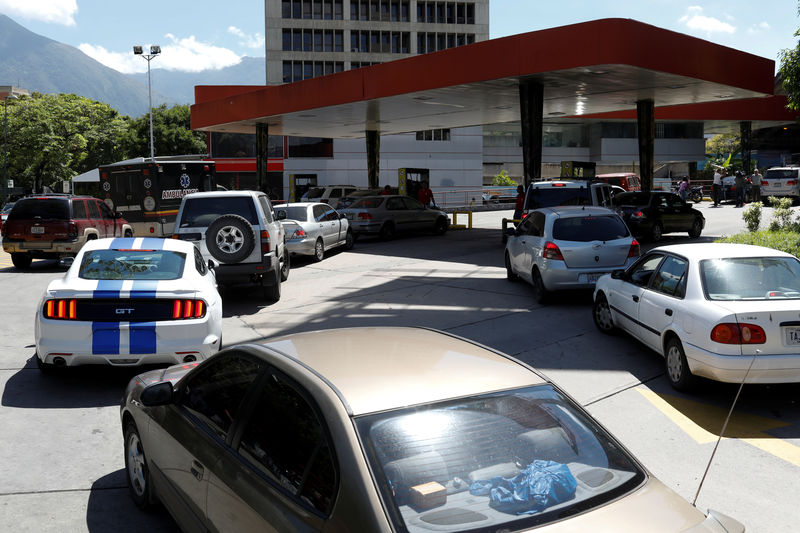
37,229
792,336
592,278
776,184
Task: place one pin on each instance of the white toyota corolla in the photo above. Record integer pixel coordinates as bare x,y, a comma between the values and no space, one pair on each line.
727,312
130,301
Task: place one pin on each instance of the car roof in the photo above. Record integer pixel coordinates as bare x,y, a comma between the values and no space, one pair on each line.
576,210
717,250
299,204
618,175
380,368
223,193
139,243
569,183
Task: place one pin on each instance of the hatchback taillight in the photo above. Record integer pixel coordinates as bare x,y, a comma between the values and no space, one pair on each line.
61,309
185,309
264,241
551,251
635,250
733,333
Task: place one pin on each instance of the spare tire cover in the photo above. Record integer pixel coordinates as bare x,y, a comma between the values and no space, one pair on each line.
230,238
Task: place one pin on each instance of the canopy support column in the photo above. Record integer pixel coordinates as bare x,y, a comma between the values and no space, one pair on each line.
646,122
531,109
262,153
746,132
373,158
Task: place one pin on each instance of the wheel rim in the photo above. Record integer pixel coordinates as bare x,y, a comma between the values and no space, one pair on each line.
348,240
602,313
696,228
509,272
538,285
674,363
229,239
657,232
318,250
137,466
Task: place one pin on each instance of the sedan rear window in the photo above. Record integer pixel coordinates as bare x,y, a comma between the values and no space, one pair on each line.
200,212
632,198
43,208
751,278
367,203
294,213
780,174
590,228
132,264
454,465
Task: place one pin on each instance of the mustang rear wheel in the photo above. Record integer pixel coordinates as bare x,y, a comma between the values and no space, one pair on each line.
136,467
678,373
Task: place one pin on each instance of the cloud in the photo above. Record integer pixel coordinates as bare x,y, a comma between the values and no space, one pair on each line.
250,41
759,28
695,20
185,54
55,11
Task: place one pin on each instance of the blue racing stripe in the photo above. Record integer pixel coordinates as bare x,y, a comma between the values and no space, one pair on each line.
143,338
105,337
108,288
144,288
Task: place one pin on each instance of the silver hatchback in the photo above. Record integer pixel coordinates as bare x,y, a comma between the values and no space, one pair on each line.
568,247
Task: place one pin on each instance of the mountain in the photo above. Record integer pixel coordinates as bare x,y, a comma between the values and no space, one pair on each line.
39,64
179,86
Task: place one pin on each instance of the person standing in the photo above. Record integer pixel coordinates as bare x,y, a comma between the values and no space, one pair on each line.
683,188
755,186
387,190
519,205
715,187
738,182
425,195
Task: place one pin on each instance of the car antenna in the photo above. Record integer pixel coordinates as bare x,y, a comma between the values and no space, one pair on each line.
724,425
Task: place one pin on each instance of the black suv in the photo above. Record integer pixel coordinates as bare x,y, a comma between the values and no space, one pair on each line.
52,226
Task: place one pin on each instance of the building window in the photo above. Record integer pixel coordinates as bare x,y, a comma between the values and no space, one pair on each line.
380,10
303,70
313,9
434,135
306,40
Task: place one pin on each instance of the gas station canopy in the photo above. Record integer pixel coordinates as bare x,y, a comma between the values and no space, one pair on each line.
590,70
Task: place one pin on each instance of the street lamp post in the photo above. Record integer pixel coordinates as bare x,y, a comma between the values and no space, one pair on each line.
5,144
154,51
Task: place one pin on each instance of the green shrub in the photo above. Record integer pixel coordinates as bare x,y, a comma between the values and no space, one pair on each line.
752,216
782,215
785,241
503,179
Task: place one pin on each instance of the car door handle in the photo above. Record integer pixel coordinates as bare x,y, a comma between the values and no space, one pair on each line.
197,470
635,298
668,312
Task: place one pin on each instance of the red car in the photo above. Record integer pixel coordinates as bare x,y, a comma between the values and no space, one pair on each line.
52,226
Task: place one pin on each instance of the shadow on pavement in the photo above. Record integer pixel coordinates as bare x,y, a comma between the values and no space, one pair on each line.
111,510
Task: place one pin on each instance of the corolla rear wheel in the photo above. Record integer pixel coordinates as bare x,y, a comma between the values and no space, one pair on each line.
656,232
601,313
510,274
697,228
540,293
138,472
678,373
319,250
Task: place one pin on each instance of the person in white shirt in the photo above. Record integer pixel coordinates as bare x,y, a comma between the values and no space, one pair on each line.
716,185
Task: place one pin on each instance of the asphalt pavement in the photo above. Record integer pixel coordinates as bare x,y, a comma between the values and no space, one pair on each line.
62,465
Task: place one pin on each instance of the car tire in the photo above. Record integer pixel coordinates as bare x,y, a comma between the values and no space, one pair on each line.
230,239
696,197
678,373
510,275
349,240
440,227
540,294
319,250
272,291
387,231
697,228
21,260
601,313
656,232
136,468
286,265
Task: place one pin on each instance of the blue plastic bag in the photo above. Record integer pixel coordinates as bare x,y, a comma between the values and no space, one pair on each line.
540,485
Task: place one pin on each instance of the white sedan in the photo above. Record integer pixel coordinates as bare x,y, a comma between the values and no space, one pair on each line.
727,312
129,302
312,228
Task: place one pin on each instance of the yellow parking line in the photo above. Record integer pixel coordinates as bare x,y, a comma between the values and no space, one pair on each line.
703,423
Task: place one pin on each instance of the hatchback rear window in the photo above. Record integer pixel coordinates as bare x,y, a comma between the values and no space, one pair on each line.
367,203
43,208
200,212
132,264
454,466
590,228
551,196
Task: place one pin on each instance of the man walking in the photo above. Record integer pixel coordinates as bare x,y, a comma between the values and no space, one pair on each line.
715,187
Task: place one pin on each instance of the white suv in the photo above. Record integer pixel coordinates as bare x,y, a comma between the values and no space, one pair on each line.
781,181
552,193
330,194
237,232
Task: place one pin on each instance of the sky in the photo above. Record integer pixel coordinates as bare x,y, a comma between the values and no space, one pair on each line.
196,35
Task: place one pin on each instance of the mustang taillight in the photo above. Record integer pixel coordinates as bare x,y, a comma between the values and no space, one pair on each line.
264,241
733,333
183,309
551,251
61,309
635,250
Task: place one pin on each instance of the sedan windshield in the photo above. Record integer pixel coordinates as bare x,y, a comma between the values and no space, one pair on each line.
132,264
527,457
590,228
751,278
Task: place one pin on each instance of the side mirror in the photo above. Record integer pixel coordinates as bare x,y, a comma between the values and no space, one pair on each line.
66,262
211,264
511,232
117,214
618,274
342,215
157,394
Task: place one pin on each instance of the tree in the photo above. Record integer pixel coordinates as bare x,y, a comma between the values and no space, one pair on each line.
789,72
503,179
171,133
55,137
